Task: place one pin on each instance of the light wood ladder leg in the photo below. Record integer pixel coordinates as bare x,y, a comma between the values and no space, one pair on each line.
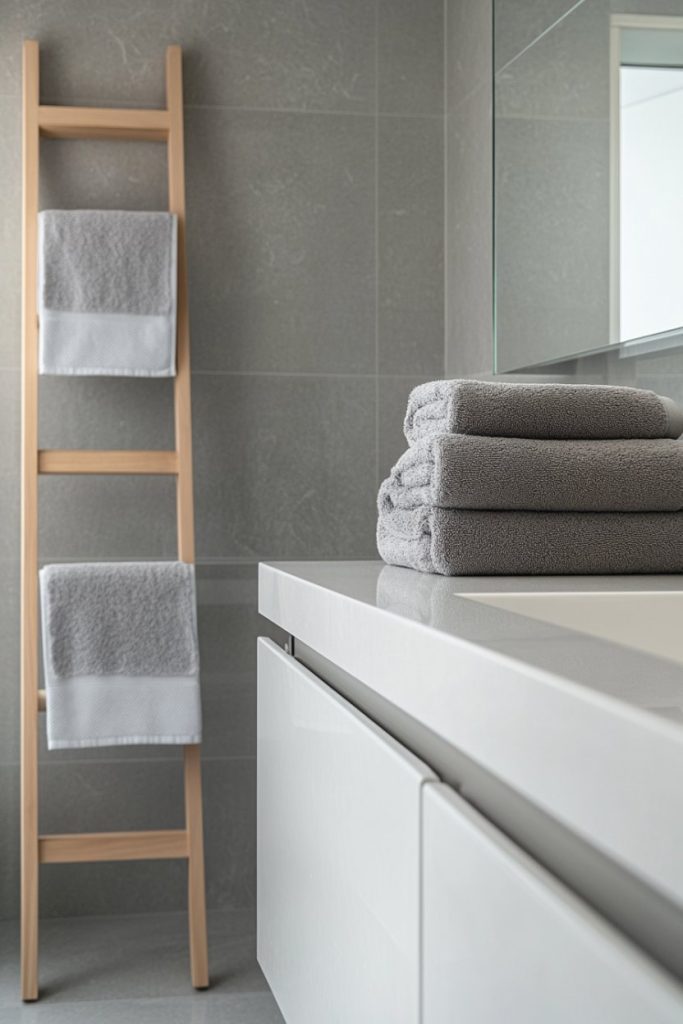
196,889
185,508
29,535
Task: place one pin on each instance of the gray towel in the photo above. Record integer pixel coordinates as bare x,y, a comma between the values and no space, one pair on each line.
466,471
120,654
107,292
562,411
484,543
125,618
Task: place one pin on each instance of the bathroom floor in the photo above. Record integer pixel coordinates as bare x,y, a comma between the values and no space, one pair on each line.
115,970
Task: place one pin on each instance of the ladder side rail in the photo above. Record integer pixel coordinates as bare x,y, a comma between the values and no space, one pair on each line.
29,527
185,508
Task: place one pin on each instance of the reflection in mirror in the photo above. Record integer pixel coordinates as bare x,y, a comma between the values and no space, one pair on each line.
588,104
647,177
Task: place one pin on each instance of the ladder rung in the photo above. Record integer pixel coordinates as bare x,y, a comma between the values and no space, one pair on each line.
124,462
103,123
95,846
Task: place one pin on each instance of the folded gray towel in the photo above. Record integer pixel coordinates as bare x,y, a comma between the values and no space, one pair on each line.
125,618
120,654
107,292
455,542
468,471
501,409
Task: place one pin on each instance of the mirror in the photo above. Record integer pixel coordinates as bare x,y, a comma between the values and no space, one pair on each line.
588,110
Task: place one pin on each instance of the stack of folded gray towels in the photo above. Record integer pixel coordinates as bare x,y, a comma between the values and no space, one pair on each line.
534,479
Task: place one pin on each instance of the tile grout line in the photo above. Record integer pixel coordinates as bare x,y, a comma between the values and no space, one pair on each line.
322,374
314,113
306,111
209,561
289,373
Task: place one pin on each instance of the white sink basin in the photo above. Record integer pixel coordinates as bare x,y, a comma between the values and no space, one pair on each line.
650,621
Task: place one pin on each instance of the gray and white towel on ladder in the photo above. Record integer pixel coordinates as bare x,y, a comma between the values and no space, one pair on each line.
107,293
120,654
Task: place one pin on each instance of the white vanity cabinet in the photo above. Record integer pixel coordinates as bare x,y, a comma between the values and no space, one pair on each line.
339,806
384,897
505,941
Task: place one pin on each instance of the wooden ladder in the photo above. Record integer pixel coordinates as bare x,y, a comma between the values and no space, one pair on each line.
93,123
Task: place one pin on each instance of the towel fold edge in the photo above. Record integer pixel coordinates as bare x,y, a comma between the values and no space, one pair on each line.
180,739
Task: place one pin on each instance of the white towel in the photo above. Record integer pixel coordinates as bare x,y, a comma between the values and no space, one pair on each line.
107,291
131,676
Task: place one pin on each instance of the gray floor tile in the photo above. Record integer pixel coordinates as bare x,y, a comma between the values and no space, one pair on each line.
135,968
198,1008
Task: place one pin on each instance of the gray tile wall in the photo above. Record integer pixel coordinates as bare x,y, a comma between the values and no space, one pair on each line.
315,221
469,189
521,25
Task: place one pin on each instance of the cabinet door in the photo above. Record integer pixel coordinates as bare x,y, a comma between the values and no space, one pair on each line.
338,854
505,941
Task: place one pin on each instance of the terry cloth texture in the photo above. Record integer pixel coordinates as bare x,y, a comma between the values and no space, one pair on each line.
466,471
125,618
552,411
468,542
120,654
107,292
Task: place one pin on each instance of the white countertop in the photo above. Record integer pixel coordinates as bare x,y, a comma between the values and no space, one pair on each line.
588,731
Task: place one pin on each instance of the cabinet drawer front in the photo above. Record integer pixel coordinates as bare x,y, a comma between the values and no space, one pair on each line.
505,941
338,854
